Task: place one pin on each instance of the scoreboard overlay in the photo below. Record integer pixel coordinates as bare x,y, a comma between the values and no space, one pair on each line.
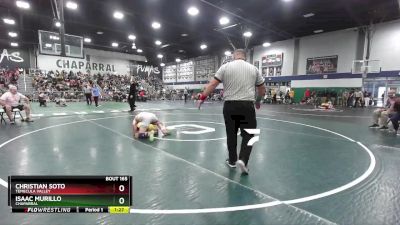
70,194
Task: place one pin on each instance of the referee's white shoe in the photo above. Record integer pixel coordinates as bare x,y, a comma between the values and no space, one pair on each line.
229,164
242,167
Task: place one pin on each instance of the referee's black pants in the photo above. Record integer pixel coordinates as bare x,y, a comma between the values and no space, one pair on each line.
131,101
88,98
239,115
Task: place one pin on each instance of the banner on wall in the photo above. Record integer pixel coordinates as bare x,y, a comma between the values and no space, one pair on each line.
272,60
205,67
185,72
169,74
325,64
91,64
272,65
145,70
12,58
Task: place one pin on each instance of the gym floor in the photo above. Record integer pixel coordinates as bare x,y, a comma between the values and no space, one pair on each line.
308,167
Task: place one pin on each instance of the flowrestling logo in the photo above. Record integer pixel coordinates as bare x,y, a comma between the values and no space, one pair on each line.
13,56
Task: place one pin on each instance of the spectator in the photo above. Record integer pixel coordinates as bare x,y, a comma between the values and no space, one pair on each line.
345,98
383,96
12,100
185,93
42,100
396,116
381,116
88,93
142,95
96,94
287,97
2,80
291,94
350,99
8,77
113,86
359,96
307,94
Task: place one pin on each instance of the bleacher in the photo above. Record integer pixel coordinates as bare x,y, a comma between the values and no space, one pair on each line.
25,84
68,85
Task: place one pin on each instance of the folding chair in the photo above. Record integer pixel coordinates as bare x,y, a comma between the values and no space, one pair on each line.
15,111
2,116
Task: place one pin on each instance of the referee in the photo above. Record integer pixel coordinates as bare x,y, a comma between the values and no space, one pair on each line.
239,79
132,95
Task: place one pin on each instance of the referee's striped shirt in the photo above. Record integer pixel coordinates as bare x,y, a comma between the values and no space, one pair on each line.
239,78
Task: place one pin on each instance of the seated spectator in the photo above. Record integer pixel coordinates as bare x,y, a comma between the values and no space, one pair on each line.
12,100
2,80
116,85
381,116
14,77
396,116
8,77
142,96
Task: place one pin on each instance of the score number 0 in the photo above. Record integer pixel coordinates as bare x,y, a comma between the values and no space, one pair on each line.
121,188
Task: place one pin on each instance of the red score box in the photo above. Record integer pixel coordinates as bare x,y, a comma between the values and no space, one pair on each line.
76,189
69,185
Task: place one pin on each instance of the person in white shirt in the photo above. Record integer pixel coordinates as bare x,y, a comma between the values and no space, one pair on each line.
12,100
241,80
359,95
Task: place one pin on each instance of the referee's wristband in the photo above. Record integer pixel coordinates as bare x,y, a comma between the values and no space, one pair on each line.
203,97
258,99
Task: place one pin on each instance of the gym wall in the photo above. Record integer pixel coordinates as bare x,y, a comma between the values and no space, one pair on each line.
286,47
342,43
386,45
327,83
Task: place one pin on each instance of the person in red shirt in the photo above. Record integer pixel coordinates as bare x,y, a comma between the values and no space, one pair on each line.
142,95
307,94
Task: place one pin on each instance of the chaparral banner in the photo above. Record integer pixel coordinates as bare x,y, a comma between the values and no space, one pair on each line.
91,64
